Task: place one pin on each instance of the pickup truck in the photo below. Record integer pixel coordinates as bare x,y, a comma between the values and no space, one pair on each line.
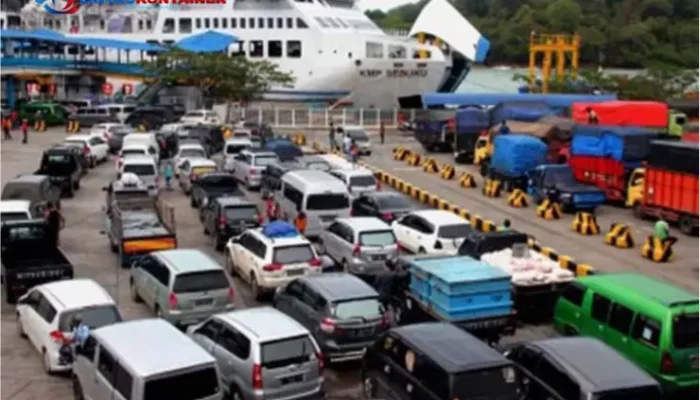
573,195
29,258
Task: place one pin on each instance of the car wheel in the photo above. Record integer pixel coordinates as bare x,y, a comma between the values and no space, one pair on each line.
235,394
369,387
47,362
422,251
76,185
133,292
77,389
218,243
20,328
70,193
255,288
206,231
93,163
193,203
159,313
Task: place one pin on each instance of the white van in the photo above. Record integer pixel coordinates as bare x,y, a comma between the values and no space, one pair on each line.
148,139
144,167
142,360
321,196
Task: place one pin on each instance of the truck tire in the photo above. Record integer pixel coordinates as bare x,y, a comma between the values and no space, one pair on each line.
686,225
638,211
193,203
76,185
70,193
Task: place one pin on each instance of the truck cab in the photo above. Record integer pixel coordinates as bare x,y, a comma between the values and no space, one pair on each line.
573,195
635,187
483,148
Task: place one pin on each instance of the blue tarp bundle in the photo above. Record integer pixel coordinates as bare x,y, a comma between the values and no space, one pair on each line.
279,229
519,111
617,142
514,155
471,120
46,35
207,42
285,149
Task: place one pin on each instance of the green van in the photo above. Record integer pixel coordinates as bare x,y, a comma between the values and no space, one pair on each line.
652,323
54,114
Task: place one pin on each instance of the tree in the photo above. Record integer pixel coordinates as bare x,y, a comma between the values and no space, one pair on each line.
219,77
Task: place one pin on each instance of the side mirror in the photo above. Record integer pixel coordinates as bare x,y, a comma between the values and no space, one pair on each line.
105,188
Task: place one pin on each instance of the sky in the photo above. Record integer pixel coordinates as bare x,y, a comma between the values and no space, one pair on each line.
383,5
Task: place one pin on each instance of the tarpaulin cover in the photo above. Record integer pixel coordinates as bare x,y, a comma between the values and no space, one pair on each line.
285,149
538,130
207,42
674,156
519,111
491,99
624,113
279,229
617,142
471,120
514,155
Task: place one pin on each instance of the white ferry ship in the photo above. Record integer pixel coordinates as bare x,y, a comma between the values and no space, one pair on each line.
333,50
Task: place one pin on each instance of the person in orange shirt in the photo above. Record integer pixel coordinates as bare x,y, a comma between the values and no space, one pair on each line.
300,221
6,127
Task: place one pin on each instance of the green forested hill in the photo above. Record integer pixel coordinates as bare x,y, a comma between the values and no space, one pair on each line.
620,33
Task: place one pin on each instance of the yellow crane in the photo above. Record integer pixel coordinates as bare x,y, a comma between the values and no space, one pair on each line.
558,45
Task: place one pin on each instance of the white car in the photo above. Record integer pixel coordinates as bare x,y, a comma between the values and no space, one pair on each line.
359,135
268,262
137,149
188,150
45,312
232,148
358,180
17,210
106,130
94,146
431,232
201,117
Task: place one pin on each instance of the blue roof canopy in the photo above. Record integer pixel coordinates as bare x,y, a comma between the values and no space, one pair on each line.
207,42
55,37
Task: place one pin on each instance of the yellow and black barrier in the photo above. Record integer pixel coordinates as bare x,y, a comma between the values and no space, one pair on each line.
585,224
413,159
73,126
619,236
549,210
466,180
517,198
564,262
40,125
299,139
492,188
658,250
400,153
430,166
447,172
484,225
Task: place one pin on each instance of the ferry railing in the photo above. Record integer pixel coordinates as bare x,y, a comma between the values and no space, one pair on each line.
310,118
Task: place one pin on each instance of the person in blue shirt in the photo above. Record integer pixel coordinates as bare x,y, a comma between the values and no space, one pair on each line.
80,332
504,129
168,173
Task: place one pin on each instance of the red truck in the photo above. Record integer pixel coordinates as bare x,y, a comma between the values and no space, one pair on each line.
608,174
669,185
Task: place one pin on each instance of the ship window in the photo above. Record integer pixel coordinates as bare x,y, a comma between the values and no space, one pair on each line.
301,23
290,23
332,23
261,23
169,25
233,23
397,51
280,23
321,22
207,23
374,50
270,23
216,23
198,23
102,24
185,25
293,48
256,48
342,23
224,23
58,24
242,21
168,43
251,23
149,24
274,48
140,24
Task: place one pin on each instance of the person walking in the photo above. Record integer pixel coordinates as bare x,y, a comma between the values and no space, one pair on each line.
354,152
168,174
25,131
661,230
504,129
505,226
6,127
331,136
55,221
381,132
300,221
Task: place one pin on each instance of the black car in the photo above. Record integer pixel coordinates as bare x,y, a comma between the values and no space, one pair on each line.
211,137
117,139
77,148
436,360
581,368
228,216
63,166
387,206
152,117
271,178
342,312
212,185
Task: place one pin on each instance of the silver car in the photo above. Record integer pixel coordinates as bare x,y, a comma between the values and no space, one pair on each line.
249,165
263,354
358,180
362,245
182,286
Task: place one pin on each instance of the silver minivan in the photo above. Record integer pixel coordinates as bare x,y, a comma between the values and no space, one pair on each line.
358,180
321,196
263,354
143,359
232,148
182,286
362,245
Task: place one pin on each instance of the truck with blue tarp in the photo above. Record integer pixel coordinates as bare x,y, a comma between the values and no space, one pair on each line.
571,194
513,156
433,129
457,289
521,111
470,123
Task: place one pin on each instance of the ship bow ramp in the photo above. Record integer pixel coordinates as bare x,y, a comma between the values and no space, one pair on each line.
440,19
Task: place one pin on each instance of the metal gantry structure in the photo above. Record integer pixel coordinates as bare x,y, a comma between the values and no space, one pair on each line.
557,46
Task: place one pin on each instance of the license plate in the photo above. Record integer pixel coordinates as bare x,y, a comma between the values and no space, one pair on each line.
379,257
203,302
327,218
694,362
360,333
295,272
292,379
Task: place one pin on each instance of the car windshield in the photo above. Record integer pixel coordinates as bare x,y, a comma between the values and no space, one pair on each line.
193,153
454,231
391,202
200,281
140,152
362,181
13,216
263,161
248,213
558,175
183,385
357,308
318,165
140,169
59,163
685,331
357,134
646,393
377,238
236,148
330,201
493,383
219,181
194,114
293,254
285,352
94,317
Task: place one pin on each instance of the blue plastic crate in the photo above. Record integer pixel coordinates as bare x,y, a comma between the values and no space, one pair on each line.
464,275
419,287
457,315
477,301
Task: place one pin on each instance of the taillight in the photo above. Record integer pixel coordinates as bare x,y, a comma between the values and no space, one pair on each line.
438,244
253,172
386,319
388,217
257,377
172,301
57,336
193,177
315,262
356,251
231,294
261,220
321,363
272,267
222,222
666,364
327,325
86,150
